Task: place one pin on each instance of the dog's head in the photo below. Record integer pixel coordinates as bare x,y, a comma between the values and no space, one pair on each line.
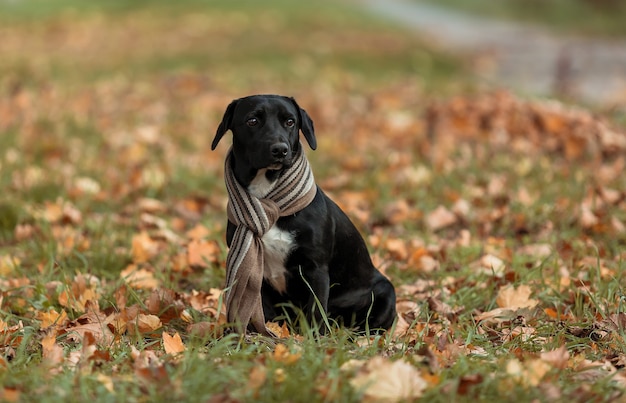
266,130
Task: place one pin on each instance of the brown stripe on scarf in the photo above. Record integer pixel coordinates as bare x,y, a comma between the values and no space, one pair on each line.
294,190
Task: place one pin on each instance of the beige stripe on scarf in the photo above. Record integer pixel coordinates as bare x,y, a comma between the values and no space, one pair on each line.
294,190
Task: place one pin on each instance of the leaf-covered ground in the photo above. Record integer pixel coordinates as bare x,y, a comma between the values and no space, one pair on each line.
501,221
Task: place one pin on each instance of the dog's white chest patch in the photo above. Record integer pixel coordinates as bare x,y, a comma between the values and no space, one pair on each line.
276,242
277,245
260,185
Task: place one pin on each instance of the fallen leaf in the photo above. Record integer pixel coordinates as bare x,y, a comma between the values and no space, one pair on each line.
173,344
143,247
558,358
147,323
52,318
84,288
139,278
283,355
8,264
381,379
529,372
10,394
440,218
201,253
52,352
257,377
510,297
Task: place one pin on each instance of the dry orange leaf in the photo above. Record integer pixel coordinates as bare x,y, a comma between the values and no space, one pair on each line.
283,355
10,335
83,289
198,232
510,297
173,344
397,248
10,394
139,278
202,253
52,352
280,331
257,377
52,318
143,247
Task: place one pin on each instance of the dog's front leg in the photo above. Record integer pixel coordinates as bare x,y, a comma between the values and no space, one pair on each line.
317,281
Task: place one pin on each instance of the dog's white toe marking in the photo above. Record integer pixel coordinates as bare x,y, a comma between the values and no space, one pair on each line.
277,245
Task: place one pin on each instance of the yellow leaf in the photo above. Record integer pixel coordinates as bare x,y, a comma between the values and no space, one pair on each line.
173,344
8,264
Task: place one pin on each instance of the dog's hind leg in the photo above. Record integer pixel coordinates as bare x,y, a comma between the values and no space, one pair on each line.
383,309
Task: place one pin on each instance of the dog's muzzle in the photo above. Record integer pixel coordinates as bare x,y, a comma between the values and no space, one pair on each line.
281,156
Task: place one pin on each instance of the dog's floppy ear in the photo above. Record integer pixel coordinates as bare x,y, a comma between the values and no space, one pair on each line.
306,125
226,123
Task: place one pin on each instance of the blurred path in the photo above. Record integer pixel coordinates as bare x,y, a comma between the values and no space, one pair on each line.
525,57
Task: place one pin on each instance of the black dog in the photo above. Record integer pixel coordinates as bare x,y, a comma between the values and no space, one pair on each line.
315,257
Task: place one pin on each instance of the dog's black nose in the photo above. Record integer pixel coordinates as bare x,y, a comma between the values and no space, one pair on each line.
279,150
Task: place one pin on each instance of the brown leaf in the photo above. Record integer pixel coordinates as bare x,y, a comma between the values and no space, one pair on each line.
147,323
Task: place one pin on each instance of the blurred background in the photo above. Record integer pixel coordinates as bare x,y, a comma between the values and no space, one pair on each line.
573,49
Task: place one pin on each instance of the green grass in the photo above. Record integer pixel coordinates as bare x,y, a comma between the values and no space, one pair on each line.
103,105
587,17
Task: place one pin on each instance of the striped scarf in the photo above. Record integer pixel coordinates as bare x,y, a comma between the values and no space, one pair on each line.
291,192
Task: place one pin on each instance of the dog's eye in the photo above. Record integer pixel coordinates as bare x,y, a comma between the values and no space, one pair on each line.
252,122
290,122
